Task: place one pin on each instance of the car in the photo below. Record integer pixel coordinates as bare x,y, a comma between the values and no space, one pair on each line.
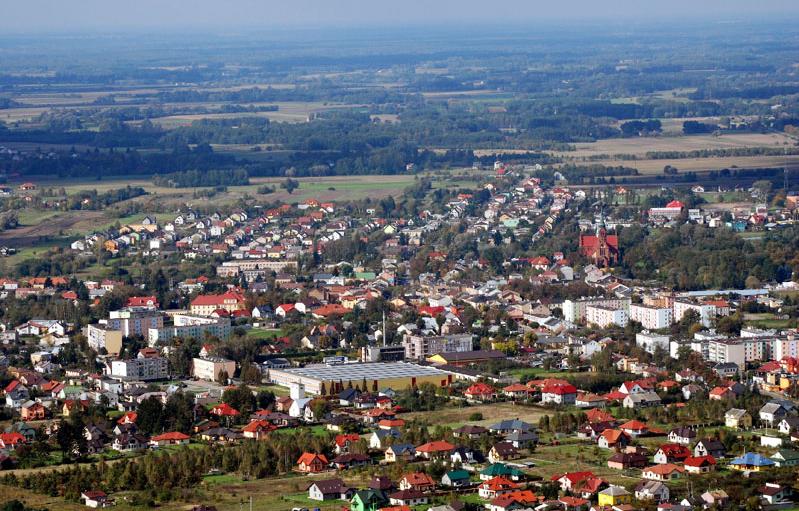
299,509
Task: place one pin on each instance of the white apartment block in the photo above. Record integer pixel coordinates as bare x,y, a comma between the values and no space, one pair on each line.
420,346
604,316
102,337
650,342
134,320
722,351
190,326
575,311
706,311
141,368
651,318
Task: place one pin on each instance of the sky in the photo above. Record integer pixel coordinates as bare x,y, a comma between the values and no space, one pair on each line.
79,15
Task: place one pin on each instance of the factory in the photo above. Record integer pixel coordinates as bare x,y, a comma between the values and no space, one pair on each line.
327,378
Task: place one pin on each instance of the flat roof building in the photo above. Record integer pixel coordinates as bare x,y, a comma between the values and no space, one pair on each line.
395,375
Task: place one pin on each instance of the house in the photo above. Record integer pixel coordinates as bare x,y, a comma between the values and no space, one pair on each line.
634,428
737,418
682,435
171,438
350,460
456,479
502,451
715,499
329,489
342,443
641,400
624,461
785,458
312,463
671,453
570,481
614,496
470,432
417,481
129,442
381,437
433,450
495,487
501,469
96,498
258,429
368,500
652,490
699,464
559,394
480,392
408,498
772,413
664,472
400,452
466,456
774,494
518,499
522,439
788,425
710,447
510,425
33,411
613,439
751,462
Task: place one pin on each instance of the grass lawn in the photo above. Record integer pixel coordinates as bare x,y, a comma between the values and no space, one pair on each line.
261,334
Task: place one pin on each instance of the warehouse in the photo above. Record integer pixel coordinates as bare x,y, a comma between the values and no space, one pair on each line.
378,375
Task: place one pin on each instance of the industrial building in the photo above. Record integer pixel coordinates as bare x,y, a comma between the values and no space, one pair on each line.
395,375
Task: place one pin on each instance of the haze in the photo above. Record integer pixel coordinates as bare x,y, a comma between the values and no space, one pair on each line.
60,15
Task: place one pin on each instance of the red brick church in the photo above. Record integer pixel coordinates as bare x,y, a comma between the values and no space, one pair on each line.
601,248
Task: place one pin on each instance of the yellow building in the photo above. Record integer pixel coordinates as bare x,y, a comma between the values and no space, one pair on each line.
614,496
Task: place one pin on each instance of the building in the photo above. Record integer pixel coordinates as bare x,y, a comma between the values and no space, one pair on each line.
706,311
209,368
134,320
601,248
604,316
574,311
392,353
466,358
144,367
651,318
190,326
419,347
326,379
205,305
726,351
671,211
650,342
254,268
104,337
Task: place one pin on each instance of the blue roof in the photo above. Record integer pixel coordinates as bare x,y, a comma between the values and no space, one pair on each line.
752,459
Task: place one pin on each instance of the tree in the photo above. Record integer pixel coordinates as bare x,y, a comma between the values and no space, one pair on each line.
149,416
290,185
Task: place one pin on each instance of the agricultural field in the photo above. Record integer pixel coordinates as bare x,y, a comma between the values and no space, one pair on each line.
639,146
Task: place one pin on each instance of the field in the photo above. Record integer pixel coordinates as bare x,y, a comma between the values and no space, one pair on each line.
492,413
650,167
641,145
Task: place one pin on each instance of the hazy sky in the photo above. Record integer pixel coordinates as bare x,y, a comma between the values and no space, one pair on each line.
75,15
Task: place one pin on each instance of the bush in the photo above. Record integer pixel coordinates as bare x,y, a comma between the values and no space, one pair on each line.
476,416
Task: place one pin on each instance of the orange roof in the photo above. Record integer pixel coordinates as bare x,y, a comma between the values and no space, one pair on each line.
664,469
257,425
416,478
699,461
439,446
633,425
171,436
516,387
342,440
499,483
613,435
309,457
224,409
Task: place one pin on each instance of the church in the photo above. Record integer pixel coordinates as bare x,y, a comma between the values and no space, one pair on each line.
601,248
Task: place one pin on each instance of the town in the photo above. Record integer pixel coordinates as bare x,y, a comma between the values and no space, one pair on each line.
503,266
655,397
